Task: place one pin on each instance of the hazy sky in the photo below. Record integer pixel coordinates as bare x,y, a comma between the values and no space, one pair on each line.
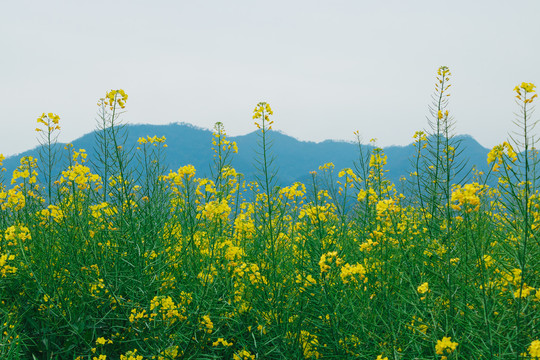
327,68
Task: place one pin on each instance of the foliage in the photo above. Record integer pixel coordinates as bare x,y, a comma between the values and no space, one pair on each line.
115,258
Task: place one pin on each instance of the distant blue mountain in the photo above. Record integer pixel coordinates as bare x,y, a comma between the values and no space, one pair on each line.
294,159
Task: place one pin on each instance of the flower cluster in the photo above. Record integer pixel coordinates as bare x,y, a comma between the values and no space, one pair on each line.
114,97
53,212
444,71
171,352
206,324
385,206
497,153
441,115
534,349
526,88
310,344
177,178
423,289
243,355
222,342
420,137
50,121
81,176
16,234
131,355
293,191
153,140
327,260
315,213
136,315
353,273
349,174
220,142
26,170
305,282
377,161
263,111
466,196
216,210
6,269
103,341
165,306
12,199
445,347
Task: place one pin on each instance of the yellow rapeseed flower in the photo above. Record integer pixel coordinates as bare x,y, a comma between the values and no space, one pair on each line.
528,87
103,341
131,355
171,352
534,349
466,196
6,269
50,121
445,346
114,97
243,355
206,324
422,289
385,206
221,341
216,210
263,111
327,259
353,273
327,166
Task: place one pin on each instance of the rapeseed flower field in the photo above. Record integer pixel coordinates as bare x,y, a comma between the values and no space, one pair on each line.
106,260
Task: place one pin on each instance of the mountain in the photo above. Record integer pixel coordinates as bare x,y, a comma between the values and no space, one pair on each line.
294,159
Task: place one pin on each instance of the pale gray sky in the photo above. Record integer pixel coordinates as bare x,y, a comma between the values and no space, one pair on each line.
327,68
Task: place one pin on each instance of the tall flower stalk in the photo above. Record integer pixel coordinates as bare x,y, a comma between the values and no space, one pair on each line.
48,137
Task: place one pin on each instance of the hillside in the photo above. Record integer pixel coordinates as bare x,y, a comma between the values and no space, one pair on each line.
294,158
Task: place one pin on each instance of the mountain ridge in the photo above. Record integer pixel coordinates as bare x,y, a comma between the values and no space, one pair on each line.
189,144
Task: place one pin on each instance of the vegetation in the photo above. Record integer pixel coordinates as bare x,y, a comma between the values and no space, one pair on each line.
116,259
